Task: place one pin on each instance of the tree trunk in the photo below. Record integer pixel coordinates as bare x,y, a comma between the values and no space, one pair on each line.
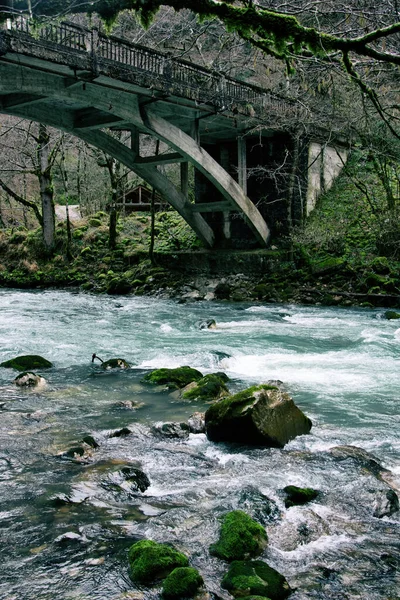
46,189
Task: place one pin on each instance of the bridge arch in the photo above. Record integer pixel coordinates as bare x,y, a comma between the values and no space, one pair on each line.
85,104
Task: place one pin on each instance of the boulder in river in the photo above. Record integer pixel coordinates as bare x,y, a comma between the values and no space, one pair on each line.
197,423
391,314
240,537
296,496
386,504
261,415
182,582
257,578
115,363
173,378
150,561
171,430
210,387
27,362
28,379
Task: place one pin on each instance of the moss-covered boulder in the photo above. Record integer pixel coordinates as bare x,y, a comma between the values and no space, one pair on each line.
210,387
115,363
150,561
296,496
240,537
173,378
262,415
255,577
28,362
182,582
391,314
28,379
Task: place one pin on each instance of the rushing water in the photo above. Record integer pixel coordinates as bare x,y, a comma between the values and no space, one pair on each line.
65,527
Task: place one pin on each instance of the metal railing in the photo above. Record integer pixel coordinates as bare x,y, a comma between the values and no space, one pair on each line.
175,76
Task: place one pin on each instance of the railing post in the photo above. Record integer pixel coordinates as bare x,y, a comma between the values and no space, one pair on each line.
92,45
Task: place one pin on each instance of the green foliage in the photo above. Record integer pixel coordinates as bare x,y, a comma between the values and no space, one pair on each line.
240,537
173,378
182,582
150,561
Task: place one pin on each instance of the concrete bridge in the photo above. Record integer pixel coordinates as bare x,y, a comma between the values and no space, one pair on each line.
88,84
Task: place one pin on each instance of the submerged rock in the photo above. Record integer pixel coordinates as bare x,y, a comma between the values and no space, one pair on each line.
261,415
296,496
120,432
207,324
210,387
150,561
387,504
240,537
182,582
28,379
255,577
173,378
27,362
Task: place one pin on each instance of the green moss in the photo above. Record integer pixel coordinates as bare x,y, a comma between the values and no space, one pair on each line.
182,582
296,496
240,537
255,577
150,561
27,363
210,387
238,402
173,378
392,314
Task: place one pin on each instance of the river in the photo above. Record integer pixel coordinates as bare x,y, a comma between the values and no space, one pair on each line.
65,527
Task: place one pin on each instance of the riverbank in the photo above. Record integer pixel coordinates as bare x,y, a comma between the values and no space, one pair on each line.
282,274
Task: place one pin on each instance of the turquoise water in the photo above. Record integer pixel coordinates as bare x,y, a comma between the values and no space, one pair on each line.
340,366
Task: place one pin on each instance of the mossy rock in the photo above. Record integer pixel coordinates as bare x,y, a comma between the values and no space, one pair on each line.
173,378
93,222
115,363
327,265
119,286
182,582
255,577
296,496
392,314
240,537
210,387
381,265
27,362
261,415
150,561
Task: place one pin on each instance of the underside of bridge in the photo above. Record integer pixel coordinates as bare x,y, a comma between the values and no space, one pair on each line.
90,105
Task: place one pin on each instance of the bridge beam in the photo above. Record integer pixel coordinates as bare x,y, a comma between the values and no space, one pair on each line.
224,183
119,105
